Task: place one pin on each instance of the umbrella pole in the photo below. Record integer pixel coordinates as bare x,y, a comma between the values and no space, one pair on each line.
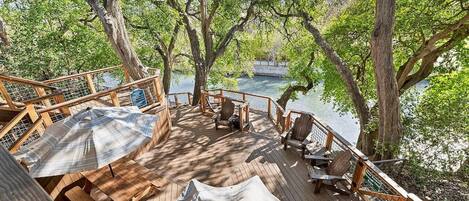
112,172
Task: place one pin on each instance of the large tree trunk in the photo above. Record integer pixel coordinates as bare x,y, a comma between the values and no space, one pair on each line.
387,89
112,19
200,83
3,33
168,65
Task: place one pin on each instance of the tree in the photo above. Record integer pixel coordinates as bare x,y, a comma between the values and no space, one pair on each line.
355,22
157,26
3,33
113,23
216,24
386,85
52,38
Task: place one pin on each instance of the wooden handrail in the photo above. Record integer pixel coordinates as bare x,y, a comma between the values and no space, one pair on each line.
25,81
96,95
41,98
81,74
178,93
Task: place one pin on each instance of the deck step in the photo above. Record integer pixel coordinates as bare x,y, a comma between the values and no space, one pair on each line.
77,194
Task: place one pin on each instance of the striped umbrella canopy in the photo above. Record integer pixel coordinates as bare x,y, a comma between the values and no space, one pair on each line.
90,139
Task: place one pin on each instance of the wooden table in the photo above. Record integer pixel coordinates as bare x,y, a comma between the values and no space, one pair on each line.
15,182
131,182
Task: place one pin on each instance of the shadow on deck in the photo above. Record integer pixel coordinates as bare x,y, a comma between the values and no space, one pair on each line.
221,158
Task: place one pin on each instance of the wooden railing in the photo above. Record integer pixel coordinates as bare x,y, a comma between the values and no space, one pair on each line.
40,118
178,99
52,99
365,179
18,92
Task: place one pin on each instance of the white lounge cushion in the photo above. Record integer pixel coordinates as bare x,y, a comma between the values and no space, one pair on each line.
250,190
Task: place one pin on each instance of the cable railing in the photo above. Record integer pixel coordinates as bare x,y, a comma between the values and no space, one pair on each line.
364,178
53,100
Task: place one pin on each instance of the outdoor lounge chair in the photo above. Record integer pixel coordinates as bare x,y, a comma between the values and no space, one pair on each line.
332,173
223,116
297,135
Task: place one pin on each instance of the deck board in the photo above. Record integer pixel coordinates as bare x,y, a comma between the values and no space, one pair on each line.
222,158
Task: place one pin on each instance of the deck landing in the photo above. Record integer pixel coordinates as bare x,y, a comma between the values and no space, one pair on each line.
220,158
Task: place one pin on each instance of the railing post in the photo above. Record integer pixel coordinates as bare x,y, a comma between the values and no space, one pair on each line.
34,117
6,95
159,91
329,139
47,120
59,99
244,97
40,91
189,98
176,100
288,121
241,117
277,111
126,75
247,113
269,104
202,101
114,99
89,81
357,178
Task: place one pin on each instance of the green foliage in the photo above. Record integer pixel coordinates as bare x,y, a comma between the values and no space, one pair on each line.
148,20
436,124
50,38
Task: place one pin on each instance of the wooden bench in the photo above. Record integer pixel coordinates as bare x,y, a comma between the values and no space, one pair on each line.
77,194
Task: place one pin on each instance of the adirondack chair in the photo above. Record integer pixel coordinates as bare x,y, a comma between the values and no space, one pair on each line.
332,173
222,117
297,135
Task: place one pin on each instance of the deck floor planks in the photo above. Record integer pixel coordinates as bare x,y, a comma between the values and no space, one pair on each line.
221,158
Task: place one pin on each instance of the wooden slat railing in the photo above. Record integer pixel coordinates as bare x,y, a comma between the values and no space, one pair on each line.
362,175
179,99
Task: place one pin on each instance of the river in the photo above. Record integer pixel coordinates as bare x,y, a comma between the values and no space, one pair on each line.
344,124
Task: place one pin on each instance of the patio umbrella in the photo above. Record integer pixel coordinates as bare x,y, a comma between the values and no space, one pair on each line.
90,139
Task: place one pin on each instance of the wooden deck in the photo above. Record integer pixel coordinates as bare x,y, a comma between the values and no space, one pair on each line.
221,158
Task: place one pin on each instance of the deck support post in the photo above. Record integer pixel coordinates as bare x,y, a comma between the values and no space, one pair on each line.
60,99
329,139
189,98
114,99
359,173
40,91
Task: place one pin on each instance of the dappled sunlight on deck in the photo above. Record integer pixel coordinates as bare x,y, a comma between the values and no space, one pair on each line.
221,158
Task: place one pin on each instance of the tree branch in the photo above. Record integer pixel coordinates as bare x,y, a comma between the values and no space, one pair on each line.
428,47
344,71
221,46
